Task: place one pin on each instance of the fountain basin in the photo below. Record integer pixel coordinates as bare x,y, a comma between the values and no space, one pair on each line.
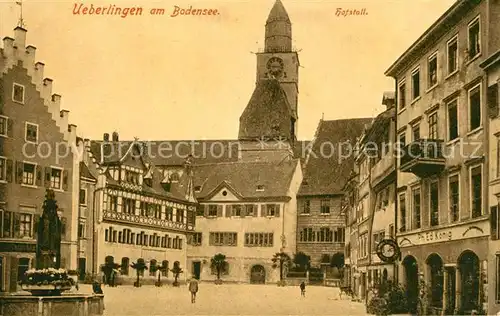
62,305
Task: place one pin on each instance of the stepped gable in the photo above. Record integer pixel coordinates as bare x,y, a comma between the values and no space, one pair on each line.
15,53
326,174
268,113
243,178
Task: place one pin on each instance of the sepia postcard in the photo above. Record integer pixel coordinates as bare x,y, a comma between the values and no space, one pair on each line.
263,157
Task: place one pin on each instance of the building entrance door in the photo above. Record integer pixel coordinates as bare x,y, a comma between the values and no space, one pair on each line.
258,275
82,267
196,269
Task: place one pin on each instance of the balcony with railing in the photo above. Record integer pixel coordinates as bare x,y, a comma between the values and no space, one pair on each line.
423,157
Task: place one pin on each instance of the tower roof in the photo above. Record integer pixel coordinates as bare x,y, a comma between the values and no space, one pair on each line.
278,13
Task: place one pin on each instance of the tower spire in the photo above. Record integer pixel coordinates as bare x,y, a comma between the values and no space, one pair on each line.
20,23
278,29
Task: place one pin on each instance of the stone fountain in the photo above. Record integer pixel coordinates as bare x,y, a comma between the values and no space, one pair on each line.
48,281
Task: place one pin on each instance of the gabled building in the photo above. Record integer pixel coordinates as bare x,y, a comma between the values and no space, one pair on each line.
371,201
35,154
139,213
320,221
247,211
443,226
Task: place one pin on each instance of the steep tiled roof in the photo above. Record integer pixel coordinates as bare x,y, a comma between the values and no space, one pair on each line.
300,149
330,163
85,172
171,152
268,113
380,125
244,177
278,13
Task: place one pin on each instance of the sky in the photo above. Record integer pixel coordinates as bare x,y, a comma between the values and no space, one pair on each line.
190,77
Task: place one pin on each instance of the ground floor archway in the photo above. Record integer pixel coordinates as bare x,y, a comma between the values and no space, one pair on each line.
258,274
411,280
469,269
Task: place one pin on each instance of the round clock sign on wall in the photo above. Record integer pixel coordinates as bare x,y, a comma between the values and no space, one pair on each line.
388,250
275,66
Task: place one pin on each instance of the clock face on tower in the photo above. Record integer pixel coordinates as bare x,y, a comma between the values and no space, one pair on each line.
275,66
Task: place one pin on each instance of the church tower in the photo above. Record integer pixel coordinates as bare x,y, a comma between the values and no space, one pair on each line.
272,111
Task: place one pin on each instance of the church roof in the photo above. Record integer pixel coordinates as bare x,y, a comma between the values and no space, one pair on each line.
268,113
278,13
331,160
242,178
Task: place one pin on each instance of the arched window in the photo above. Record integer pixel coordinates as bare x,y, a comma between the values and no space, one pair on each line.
165,271
435,264
152,267
125,265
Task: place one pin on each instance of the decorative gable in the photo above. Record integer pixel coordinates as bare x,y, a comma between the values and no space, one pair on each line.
224,192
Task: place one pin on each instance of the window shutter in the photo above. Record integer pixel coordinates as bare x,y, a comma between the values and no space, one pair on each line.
277,210
36,221
19,171
63,227
38,176
255,210
205,210
219,210
65,180
211,239
493,222
263,210
14,261
10,130
243,210
47,177
229,210
10,170
17,224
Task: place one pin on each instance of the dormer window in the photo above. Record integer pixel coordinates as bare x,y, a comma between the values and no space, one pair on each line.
197,189
260,187
132,177
174,177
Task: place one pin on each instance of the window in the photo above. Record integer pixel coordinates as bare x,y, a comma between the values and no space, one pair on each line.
83,197
81,230
416,132
200,210
433,125
476,191
251,210
4,121
31,132
169,213
212,210
377,237
3,169
236,209
475,107
432,68
474,38
125,265
434,203
416,208
402,139
273,210
259,240
113,203
415,84
197,239
402,211
492,99
25,225
497,283
435,266
402,95
128,206
452,55
306,207
29,173
325,207
453,120
223,239
18,93
260,187
339,235
55,178
454,196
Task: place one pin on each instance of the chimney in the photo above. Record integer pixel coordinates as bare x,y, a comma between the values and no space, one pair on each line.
389,99
115,137
106,137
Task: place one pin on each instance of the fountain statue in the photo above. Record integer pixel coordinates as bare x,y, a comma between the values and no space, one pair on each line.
48,243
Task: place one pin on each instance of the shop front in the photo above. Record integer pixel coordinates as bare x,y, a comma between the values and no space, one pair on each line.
449,267
15,259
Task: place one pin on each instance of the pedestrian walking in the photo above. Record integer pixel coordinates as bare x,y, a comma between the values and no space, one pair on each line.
303,289
193,288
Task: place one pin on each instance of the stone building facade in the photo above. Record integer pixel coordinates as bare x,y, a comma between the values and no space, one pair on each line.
36,153
443,225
